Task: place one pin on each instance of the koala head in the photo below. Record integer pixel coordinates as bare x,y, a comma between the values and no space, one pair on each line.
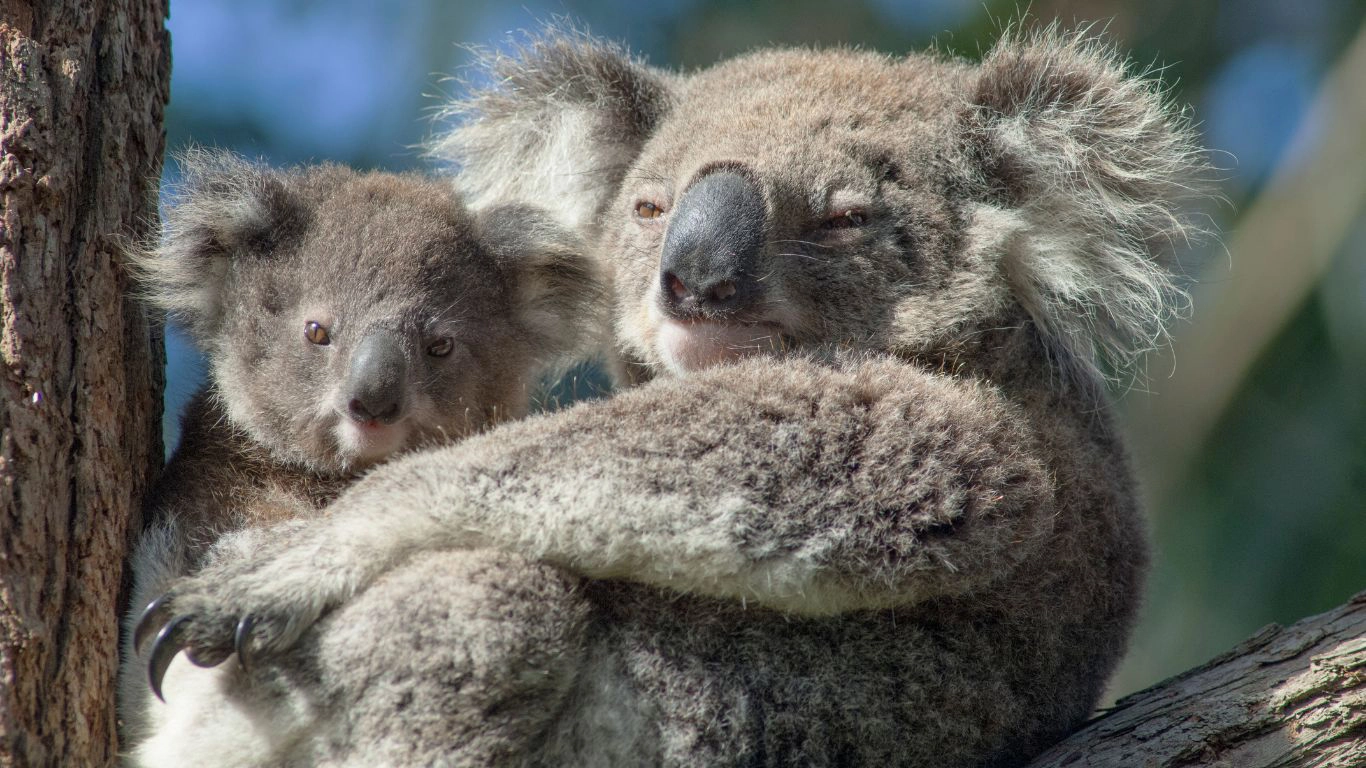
345,316
799,199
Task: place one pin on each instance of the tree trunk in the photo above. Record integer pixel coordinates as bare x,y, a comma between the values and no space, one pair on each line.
1285,697
83,85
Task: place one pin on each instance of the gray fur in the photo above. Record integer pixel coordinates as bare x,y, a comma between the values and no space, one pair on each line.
247,256
889,522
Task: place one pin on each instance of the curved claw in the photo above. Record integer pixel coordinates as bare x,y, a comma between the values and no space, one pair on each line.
169,641
153,618
241,638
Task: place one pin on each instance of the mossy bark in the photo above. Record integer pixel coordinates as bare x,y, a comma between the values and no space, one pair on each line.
1288,696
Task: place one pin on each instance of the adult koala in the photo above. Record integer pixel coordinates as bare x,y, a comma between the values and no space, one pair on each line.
872,511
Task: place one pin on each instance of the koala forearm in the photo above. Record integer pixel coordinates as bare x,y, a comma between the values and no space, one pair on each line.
792,484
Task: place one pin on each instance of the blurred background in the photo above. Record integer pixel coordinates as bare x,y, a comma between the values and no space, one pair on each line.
1250,431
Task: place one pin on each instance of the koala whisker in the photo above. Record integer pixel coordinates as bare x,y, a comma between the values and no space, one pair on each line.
427,383
823,246
645,176
981,331
601,173
449,307
459,300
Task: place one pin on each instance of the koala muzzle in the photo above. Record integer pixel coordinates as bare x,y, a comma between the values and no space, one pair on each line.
713,246
377,379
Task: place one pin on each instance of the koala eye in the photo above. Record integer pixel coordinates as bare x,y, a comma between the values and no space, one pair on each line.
648,210
316,334
847,220
441,347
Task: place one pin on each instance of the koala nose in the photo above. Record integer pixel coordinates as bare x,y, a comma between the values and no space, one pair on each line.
375,382
712,247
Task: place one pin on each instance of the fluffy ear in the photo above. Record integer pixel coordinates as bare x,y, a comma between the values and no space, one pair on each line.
557,126
1092,166
223,208
558,296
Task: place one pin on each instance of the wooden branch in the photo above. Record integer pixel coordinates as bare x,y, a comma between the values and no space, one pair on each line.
1291,696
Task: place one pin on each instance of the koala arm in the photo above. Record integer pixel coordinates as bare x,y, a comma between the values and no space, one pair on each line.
800,486
804,487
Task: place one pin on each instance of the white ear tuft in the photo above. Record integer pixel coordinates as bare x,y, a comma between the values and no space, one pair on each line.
1095,165
223,206
562,120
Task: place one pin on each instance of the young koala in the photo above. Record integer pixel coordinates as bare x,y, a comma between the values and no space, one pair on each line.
345,318
873,509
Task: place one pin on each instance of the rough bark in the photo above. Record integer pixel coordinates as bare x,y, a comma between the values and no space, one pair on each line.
1286,697
83,86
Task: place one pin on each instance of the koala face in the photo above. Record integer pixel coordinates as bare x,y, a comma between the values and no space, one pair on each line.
365,332
348,316
791,200
748,229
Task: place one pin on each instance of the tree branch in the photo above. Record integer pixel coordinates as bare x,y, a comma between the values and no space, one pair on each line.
1293,696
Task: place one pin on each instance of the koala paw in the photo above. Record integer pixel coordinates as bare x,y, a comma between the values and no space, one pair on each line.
213,616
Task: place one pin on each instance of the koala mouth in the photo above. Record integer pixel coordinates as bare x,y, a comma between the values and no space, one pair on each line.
691,345
368,442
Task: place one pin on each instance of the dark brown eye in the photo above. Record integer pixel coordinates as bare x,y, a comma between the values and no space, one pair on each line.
316,334
847,220
441,347
648,210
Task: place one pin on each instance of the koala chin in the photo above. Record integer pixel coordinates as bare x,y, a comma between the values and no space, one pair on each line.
346,318
369,441
691,345
868,506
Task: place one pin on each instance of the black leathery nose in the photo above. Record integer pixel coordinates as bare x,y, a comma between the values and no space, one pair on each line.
377,377
713,245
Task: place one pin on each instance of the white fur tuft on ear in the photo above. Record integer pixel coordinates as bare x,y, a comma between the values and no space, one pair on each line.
563,118
221,202
1093,166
